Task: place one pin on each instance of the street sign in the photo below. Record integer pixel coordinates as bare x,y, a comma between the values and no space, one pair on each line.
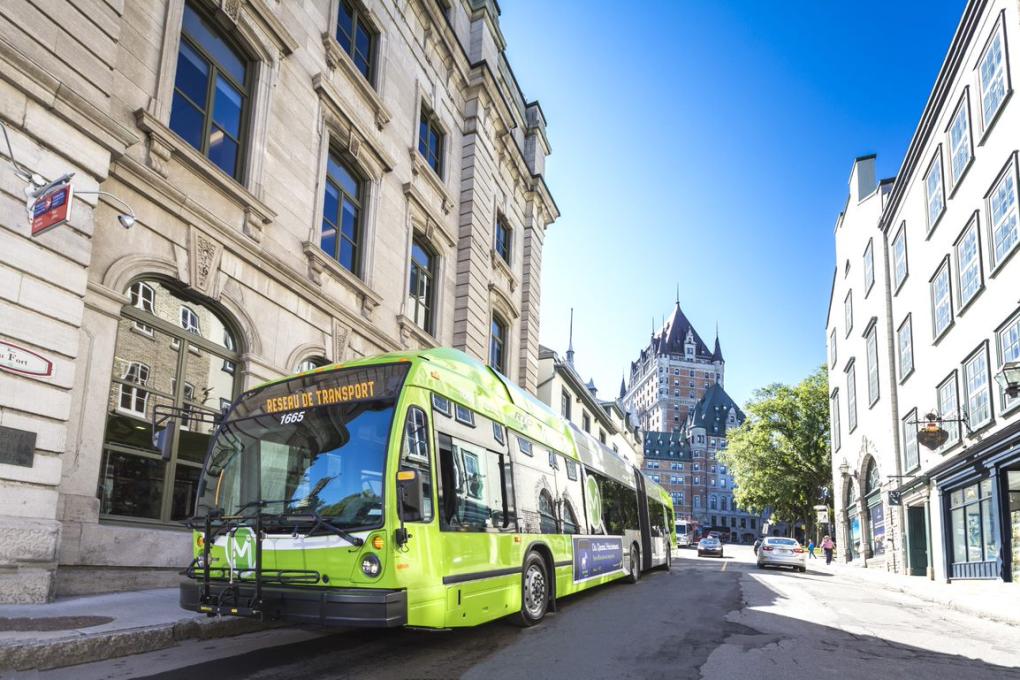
21,360
52,209
895,498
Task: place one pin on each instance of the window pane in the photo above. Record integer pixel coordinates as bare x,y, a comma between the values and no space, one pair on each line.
976,375
346,257
1004,218
940,298
993,86
331,203
192,75
223,151
227,58
185,492
959,138
343,176
934,188
991,533
349,226
970,265
131,485
328,241
227,110
187,121
974,538
345,26
959,536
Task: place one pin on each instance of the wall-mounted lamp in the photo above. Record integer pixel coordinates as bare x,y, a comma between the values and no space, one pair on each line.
1009,378
127,218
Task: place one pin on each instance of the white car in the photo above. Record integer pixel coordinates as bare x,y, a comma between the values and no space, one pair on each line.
776,551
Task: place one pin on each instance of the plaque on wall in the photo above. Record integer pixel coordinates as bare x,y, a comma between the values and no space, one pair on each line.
17,447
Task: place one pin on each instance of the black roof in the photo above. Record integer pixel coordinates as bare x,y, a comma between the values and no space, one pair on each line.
667,446
713,409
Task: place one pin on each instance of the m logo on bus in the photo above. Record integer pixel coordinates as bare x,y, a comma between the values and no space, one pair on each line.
594,503
241,548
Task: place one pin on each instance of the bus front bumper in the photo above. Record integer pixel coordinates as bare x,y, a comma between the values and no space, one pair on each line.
329,607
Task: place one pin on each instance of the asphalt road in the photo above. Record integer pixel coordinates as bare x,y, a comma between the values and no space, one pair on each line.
708,618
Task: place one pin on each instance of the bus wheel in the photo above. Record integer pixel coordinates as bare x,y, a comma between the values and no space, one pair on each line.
634,568
534,591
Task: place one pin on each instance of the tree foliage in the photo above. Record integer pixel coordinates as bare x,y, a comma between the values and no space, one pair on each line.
779,456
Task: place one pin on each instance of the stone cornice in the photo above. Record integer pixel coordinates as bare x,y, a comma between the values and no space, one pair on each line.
337,59
434,219
319,262
286,42
419,168
332,99
165,144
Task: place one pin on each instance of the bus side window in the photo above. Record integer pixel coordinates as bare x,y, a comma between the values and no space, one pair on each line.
415,457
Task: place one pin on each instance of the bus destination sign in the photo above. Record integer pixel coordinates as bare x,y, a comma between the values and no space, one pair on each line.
326,388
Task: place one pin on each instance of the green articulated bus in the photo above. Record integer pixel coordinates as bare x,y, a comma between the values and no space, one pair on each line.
419,489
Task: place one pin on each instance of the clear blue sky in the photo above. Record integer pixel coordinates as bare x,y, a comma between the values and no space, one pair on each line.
708,144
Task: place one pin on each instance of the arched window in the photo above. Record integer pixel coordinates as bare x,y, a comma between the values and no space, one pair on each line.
570,525
497,344
546,513
212,89
171,352
341,214
421,291
310,364
872,481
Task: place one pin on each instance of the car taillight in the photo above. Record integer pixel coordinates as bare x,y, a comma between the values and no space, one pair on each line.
766,547
798,550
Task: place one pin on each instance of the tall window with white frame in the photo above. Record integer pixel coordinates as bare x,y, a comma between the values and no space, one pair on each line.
421,293
143,297
949,407
941,300
834,413
960,151
134,398
1008,340
848,311
832,347
1002,209
869,267
993,77
341,214
905,346
497,344
211,92
899,247
430,140
503,240
871,342
851,396
933,190
356,37
911,454
968,262
976,389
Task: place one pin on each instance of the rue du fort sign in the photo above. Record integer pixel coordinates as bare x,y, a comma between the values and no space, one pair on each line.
23,361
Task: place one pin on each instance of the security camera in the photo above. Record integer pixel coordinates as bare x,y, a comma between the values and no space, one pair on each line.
126,221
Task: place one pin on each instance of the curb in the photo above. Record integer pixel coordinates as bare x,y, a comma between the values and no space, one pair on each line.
71,651
949,603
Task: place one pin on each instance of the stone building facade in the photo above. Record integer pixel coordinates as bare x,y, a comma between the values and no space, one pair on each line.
935,478
312,181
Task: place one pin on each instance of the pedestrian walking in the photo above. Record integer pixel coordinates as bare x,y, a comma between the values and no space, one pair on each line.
828,546
811,549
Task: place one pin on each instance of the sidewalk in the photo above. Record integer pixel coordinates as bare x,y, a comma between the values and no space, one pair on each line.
78,630
992,600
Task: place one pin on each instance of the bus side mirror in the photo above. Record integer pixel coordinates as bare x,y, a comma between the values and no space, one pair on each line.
410,491
163,440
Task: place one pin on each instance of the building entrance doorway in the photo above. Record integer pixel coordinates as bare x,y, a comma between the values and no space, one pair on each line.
917,541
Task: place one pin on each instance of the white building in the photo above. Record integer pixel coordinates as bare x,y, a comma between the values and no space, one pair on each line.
949,231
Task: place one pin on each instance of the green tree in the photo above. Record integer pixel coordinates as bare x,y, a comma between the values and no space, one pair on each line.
779,456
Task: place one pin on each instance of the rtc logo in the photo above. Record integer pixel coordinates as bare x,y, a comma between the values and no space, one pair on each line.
594,503
241,548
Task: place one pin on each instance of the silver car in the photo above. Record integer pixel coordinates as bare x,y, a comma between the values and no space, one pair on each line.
781,552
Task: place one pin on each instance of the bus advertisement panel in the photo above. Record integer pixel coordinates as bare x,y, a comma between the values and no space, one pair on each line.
596,556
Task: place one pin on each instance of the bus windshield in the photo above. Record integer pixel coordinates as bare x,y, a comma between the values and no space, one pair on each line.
316,444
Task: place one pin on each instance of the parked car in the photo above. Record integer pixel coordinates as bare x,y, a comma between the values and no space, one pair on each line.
776,551
710,545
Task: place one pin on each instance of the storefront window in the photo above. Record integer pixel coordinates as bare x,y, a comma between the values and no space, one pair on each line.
854,521
876,511
975,534
165,357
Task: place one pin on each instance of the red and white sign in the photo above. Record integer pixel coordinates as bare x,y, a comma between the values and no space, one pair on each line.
21,360
51,209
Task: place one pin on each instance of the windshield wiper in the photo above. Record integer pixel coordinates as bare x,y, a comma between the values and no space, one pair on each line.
317,521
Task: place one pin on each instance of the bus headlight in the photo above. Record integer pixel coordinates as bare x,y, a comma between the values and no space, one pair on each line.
370,565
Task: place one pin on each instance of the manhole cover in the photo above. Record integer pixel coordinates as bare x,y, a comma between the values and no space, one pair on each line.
52,623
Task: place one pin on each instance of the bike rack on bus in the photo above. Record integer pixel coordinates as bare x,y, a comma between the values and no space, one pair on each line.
229,600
